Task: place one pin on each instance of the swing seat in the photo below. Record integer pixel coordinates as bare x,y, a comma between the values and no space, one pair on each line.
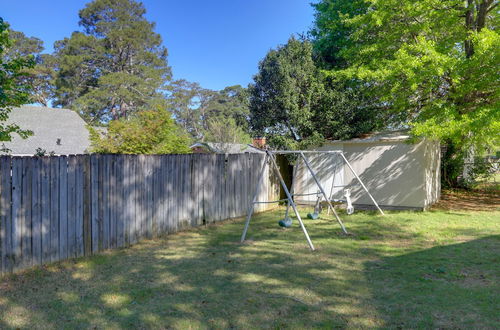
286,223
313,216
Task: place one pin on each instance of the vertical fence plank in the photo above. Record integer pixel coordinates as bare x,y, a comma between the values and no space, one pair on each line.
174,172
131,206
169,195
36,211
63,207
137,198
148,180
45,203
140,196
72,168
54,208
87,216
5,214
162,197
184,190
26,234
127,194
194,173
94,201
106,202
155,186
120,228
80,178
112,201
219,167
101,202
17,212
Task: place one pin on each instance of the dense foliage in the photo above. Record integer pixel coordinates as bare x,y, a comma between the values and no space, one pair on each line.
225,130
296,106
146,132
199,111
40,77
14,90
434,63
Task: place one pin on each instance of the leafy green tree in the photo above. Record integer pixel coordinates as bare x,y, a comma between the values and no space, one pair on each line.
188,102
434,64
225,130
331,34
41,76
115,67
14,91
194,107
284,92
230,103
146,132
296,106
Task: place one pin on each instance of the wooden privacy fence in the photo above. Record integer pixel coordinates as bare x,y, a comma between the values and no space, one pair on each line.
60,207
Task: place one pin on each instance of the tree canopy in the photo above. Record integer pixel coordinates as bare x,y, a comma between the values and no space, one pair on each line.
146,132
115,67
41,76
194,108
434,64
14,90
296,105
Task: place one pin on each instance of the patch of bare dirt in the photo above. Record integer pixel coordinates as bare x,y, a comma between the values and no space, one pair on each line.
468,201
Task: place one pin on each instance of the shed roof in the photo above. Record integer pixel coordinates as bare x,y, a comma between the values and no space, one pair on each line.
61,131
386,136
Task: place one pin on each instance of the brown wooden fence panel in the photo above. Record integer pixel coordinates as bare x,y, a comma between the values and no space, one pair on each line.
60,207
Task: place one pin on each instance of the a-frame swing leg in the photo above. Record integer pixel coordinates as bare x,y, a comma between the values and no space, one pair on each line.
323,192
254,199
290,200
362,184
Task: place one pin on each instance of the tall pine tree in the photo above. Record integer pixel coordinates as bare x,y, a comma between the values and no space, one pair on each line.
115,67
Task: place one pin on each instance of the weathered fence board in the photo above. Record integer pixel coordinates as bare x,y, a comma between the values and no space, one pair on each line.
36,212
60,207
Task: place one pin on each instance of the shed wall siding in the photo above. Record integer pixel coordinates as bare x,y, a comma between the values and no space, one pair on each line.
392,171
398,174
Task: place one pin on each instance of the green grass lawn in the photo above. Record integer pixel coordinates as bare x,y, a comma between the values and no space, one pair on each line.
406,270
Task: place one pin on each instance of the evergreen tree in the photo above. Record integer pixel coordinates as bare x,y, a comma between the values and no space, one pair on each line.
296,106
115,67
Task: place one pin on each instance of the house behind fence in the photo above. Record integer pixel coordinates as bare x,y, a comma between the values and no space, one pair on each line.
55,208
57,131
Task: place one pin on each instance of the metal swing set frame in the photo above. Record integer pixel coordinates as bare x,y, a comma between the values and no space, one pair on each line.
270,156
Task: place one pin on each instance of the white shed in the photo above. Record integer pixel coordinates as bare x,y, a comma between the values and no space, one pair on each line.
399,174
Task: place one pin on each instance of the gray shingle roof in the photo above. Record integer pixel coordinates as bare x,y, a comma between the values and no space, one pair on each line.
228,148
61,131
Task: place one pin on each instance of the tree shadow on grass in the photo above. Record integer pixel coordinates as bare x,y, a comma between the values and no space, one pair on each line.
452,286
205,279
201,278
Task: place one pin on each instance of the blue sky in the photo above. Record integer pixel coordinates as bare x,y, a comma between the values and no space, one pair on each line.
216,43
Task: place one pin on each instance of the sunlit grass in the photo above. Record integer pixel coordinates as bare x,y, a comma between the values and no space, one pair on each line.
408,269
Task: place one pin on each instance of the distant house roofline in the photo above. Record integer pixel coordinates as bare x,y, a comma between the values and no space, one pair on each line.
56,130
230,148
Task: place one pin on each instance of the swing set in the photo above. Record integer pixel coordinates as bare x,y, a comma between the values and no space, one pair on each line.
287,222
